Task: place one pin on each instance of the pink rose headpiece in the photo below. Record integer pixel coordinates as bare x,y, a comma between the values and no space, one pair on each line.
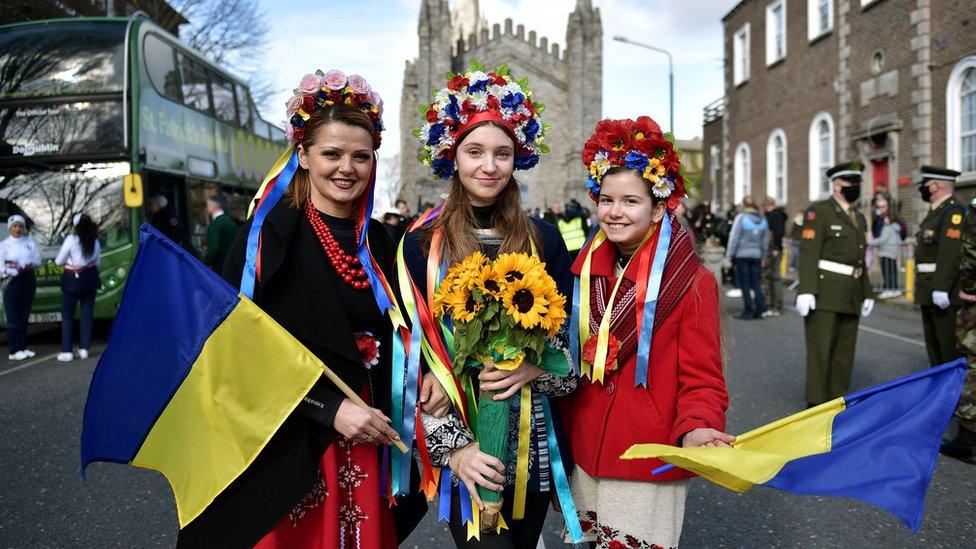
475,97
324,89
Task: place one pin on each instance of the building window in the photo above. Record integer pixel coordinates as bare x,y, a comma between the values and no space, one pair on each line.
820,17
821,142
961,116
775,31
740,55
742,176
776,166
713,163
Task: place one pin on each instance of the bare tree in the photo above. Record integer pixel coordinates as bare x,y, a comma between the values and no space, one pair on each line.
388,180
232,33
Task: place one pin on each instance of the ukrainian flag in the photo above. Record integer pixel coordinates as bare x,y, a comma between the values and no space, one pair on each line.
195,380
878,445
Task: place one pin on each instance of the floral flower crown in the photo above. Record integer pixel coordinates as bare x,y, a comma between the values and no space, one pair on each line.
475,97
324,89
635,145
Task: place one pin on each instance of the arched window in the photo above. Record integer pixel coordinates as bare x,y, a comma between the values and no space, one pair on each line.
821,143
742,176
776,179
961,116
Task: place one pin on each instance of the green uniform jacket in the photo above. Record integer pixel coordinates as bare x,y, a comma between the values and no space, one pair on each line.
220,236
967,261
939,241
830,234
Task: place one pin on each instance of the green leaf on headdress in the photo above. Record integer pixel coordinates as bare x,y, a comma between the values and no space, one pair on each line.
523,83
502,70
449,75
540,108
415,132
318,72
546,127
476,66
423,108
543,148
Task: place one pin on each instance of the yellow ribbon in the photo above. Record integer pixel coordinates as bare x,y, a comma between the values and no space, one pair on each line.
597,370
522,458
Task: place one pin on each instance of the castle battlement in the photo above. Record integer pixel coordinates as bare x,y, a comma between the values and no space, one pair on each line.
485,37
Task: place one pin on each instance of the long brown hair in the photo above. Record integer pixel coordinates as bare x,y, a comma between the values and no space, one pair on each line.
457,223
300,189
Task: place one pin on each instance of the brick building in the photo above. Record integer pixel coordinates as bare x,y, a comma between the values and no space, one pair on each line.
809,83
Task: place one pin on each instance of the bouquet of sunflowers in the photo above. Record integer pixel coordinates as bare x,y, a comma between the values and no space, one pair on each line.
502,311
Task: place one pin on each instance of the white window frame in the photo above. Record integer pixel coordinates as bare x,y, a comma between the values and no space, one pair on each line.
772,189
740,55
741,173
954,112
772,40
815,180
814,29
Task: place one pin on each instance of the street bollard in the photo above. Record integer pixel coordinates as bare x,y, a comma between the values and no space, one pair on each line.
910,279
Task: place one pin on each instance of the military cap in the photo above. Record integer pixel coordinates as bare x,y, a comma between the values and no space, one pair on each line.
846,170
934,172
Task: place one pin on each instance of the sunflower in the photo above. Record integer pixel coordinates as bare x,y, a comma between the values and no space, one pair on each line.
517,266
524,301
555,314
456,286
463,306
490,283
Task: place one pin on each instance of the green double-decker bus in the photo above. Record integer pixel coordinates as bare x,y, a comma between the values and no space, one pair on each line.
98,113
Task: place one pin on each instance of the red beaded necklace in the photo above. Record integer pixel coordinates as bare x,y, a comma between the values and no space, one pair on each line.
348,267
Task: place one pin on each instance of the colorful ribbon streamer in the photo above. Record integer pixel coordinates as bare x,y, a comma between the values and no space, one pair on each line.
269,197
563,493
645,322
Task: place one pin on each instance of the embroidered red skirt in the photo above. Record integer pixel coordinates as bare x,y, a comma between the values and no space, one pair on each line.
344,508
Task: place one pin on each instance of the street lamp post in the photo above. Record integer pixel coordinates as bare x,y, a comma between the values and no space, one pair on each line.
670,69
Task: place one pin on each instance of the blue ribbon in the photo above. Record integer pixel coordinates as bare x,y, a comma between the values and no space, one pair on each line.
405,400
398,381
379,291
444,509
574,335
650,302
464,498
249,275
562,482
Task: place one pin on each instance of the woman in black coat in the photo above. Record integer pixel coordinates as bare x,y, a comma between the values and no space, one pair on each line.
319,480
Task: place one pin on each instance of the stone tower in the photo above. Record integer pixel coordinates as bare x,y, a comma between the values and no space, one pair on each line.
568,81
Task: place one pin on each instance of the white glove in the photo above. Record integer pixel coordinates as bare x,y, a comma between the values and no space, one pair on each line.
941,299
727,262
867,307
805,303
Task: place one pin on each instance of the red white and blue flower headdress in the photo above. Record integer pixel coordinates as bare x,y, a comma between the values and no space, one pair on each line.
471,99
315,92
637,145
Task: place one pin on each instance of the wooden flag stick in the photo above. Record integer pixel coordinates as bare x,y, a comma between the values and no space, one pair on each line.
351,395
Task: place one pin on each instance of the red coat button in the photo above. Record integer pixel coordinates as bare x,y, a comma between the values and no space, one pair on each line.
610,388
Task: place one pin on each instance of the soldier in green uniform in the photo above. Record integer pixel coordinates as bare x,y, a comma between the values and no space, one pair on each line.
963,447
938,245
833,288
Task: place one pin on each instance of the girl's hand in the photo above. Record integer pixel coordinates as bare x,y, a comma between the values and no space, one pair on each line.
433,397
709,438
968,298
476,468
509,382
369,426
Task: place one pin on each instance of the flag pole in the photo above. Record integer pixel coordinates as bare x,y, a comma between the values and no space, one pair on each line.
351,395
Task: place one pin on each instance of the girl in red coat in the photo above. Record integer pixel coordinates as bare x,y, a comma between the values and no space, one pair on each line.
651,367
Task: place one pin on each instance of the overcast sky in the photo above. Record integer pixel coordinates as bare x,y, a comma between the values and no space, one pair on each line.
375,37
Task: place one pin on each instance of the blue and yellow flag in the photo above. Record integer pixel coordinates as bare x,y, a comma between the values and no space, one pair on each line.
195,379
878,445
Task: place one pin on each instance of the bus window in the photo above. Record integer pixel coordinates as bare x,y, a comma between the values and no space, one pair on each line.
223,98
243,107
79,57
194,84
200,190
161,66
